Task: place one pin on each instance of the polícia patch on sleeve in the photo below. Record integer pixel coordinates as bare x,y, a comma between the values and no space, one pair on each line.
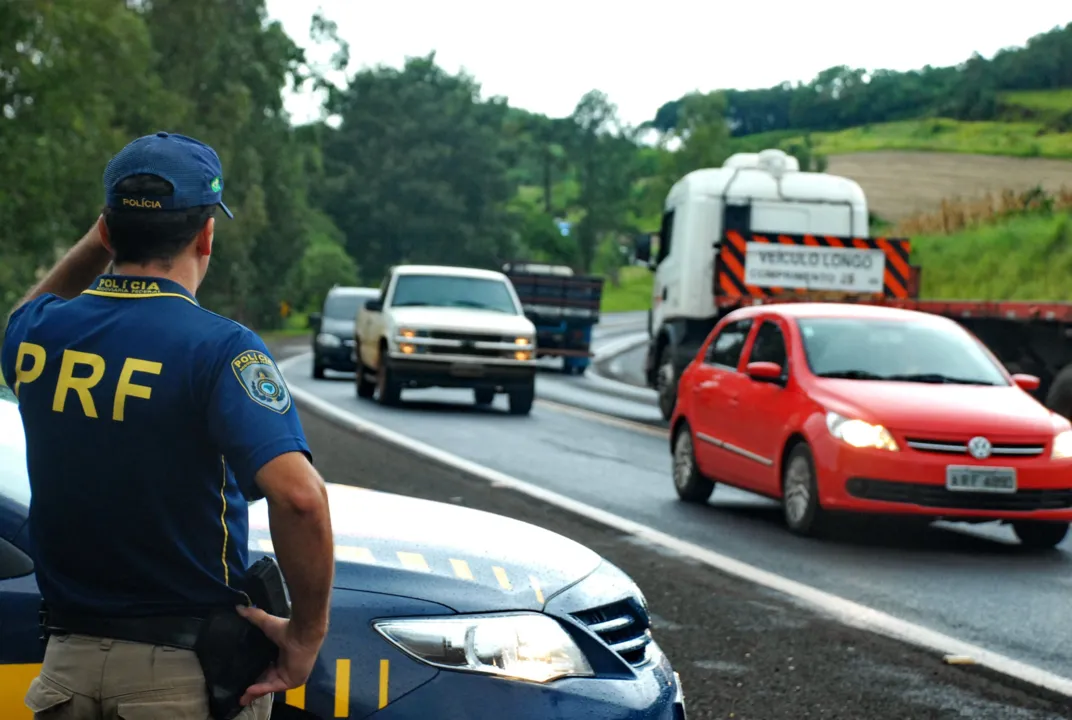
261,380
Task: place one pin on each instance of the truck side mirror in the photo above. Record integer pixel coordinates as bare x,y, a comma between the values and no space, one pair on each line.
314,321
373,305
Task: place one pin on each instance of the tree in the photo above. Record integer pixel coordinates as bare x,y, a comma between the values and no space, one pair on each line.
416,169
604,154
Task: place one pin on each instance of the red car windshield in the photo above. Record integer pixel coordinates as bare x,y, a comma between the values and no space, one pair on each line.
896,350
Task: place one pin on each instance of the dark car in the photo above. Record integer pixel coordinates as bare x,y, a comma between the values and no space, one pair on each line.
438,611
333,339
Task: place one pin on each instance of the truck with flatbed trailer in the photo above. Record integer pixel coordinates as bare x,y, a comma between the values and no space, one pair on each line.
759,230
563,305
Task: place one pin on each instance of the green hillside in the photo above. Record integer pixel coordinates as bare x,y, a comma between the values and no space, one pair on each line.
1017,139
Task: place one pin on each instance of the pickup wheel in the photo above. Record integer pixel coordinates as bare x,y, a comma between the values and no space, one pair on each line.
521,399
483,396
365,387
390,391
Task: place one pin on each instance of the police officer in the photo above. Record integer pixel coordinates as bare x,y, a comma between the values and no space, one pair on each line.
150,422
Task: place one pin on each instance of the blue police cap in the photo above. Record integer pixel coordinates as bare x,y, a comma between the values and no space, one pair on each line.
191,166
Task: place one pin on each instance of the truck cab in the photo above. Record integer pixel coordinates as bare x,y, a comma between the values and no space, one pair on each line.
442,326
756,227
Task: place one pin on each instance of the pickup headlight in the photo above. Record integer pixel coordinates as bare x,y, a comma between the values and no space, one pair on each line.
1062,445
524,646
328,340
859,434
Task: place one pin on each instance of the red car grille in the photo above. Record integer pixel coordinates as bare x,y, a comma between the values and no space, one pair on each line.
954,447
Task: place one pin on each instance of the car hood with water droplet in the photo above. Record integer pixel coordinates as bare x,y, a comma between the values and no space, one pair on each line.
466,559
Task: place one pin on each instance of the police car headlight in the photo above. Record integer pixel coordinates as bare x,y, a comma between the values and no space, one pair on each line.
328,340
523,646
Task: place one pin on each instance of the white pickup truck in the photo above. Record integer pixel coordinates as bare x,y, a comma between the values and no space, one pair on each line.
440,326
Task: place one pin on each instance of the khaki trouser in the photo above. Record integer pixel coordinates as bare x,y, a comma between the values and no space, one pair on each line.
85,678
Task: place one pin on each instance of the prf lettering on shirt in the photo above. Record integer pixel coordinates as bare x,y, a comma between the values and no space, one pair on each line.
30,363
131,287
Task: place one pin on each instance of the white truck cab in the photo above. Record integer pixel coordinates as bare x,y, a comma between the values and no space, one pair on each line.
443,326
715,245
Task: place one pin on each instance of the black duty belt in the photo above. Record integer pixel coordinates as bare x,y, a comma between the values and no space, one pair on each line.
178,632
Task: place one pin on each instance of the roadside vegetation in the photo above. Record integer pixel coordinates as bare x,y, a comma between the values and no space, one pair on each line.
414,164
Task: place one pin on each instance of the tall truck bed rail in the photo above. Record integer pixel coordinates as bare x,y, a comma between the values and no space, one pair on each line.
562,306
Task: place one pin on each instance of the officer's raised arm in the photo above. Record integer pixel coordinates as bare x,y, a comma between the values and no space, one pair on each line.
252,419
76,270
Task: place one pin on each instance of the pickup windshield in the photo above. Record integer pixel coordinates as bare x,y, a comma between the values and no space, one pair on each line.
453,291
896,351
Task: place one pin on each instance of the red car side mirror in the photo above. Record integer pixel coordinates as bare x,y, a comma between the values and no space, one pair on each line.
1027,383
764,371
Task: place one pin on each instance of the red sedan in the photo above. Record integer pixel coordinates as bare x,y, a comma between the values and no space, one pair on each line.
836,407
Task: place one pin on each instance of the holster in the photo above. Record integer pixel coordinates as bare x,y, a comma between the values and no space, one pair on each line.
233,652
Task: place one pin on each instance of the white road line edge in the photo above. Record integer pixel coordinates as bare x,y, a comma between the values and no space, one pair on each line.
846,611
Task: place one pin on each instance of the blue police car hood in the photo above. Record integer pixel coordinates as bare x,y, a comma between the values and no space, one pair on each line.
468,560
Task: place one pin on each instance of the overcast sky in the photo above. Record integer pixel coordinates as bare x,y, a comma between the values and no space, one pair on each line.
544,55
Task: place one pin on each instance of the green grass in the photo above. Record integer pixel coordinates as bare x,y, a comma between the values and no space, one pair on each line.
1025,258
633,291
295,326
1016,139
1039,100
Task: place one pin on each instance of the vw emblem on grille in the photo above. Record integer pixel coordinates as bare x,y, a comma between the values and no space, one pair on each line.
979,448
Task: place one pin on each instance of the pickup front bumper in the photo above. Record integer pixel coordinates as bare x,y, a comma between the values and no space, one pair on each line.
460,371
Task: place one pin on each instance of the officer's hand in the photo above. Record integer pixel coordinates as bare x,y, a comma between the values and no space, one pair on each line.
296,655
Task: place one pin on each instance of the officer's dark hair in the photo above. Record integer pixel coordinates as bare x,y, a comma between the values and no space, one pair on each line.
143,236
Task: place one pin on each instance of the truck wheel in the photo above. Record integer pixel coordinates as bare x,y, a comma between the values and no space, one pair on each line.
800,493
690,484
483,396
666,382
365,388
521,399
1059,397
389,389
1040,535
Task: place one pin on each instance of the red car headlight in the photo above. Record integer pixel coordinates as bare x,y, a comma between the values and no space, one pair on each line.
860,434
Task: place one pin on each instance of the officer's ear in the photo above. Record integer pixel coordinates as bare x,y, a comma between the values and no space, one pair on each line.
204,238
102,230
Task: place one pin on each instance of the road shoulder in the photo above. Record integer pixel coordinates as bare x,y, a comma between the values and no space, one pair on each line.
743,652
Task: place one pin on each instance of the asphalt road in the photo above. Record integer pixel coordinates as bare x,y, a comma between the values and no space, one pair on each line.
743,652
975,584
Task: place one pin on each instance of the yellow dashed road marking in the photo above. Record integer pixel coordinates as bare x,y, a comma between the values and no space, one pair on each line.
502,577
413,561
348,553
461,569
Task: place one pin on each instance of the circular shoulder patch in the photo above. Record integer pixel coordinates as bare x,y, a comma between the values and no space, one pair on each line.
261,380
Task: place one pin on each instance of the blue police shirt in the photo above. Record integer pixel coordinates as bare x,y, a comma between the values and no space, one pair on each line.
146,420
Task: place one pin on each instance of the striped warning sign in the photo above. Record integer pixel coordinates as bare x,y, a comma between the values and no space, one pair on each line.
768,264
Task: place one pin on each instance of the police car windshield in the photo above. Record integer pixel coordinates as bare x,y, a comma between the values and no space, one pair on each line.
14,480
895,350
342,306
453,291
